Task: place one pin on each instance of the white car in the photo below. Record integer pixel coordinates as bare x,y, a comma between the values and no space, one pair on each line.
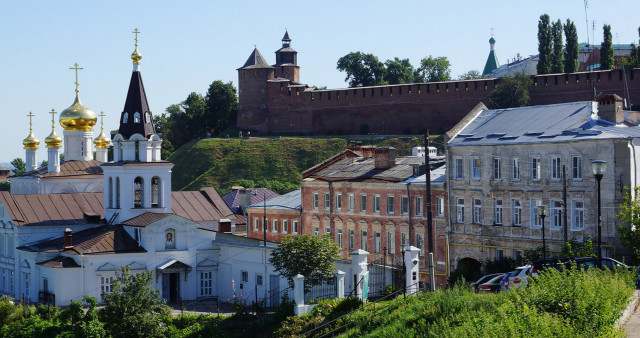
519,278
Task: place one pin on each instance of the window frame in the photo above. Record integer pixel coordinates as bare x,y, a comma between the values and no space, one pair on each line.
458,168
339,201
315,201
576,168
556,168
363,203
391,204
376,203
517,213
476,168
574,212
535,221
439,206
477,211
515,169
459,210
351,201
498,213
404,205
497,168
419,205
327,201
535,169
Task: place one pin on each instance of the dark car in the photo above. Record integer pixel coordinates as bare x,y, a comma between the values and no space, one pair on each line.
582,262
493,285
483,279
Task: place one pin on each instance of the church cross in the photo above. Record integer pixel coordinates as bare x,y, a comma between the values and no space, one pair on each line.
102,115
76,68
30,121
53,120
136,32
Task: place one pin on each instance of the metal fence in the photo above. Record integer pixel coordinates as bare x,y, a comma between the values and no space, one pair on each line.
321,288
45,297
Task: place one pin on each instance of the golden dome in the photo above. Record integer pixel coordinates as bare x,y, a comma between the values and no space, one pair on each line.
136,56
53,140
102,141
78,117
31,142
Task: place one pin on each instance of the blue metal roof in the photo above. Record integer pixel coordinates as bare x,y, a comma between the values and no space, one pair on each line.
289,201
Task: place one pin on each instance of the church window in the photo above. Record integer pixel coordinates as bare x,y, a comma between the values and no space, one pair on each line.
25,278
137,192
110,187
105,285
155,192
136,117
125,117
117,192
147,117
206,283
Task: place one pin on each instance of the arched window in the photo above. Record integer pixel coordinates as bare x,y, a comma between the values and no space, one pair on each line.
137,149
155,192
136,117
110,194
138,187
147,117
117,192
125,117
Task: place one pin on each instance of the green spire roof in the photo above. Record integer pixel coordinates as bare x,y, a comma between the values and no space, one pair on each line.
492,60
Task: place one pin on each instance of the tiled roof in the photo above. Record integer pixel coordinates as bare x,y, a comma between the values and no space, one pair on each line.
289,201
53,209
82,169
106,239
145,219
363,169
200,206
60,262
256,60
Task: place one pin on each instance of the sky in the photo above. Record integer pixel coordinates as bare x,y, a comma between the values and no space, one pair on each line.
186,45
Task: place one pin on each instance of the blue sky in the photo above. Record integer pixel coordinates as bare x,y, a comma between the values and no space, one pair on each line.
186,45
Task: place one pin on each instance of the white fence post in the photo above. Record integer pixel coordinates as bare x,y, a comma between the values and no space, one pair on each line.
413,269
339,283
359,263
298,294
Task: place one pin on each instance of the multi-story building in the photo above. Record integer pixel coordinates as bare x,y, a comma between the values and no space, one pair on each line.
503,163
282,214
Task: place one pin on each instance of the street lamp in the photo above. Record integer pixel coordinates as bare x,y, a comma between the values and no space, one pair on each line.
542,211
404,271
599,167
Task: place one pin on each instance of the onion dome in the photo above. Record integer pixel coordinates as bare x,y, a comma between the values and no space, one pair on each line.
31,142
78,117
53,140
102,141
492,40
136,56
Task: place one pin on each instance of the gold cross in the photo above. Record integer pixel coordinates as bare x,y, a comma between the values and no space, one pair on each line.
136,32
102,115
53,120
30,116
76,68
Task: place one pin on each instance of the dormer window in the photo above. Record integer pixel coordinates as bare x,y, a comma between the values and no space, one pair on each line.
136,117
125,117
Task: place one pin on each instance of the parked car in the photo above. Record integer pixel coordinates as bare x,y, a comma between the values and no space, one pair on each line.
583,262
519,277
483,279
505,281
493,285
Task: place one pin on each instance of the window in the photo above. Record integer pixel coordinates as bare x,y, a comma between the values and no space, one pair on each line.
117,192
245,276
458,168
363,240
420,244
285,226
110,187
327,201
556,168
497,168
556,213
155,192
315,200
147,117
137,234
419,205
351,202
125,117
390,244
351,239
256,222
439,206
576,167
25,279
138,192
105,285
377,244
460,210
536,221
136,117
517,213
498,212
499,254
274,225
206,283
535,168
339,238
339,201
259,279
477,211
475,168
515,169
327,230
577,214
391,204
295,227
403,239
376,203
404,205
316,231
363,203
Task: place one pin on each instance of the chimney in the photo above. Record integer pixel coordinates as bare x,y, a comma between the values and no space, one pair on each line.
68,242
610,108
384,157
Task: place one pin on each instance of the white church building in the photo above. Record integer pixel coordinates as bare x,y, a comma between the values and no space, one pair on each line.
66,229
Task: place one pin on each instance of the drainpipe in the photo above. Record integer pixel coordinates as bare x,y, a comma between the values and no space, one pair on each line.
409,197
448,189
331,209
82,264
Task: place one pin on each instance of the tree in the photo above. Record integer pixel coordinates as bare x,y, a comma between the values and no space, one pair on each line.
470,75
573,248
18,165
606,49
134,308
362,69
398,71
433,70
222,106
511,92
44,163
544,45
571,50
630,232
161,124
5,186
307,255
557,59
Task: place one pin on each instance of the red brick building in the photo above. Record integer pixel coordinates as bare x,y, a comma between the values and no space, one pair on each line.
283,215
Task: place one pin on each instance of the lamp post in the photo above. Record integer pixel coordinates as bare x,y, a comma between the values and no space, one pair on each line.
599,167
542,211
404,270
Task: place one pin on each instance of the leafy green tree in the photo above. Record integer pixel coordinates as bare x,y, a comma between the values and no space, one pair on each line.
633,61
557,58
307,255
606,49
362,69
433,70
398,71
161,124
134,308
571,50
44,163
573,248
511,92
544,45
630,232
18,165
222,106
470,75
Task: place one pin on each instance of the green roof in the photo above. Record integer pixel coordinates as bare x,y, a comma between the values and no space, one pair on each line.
492,63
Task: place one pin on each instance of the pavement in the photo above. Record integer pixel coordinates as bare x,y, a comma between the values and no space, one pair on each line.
630,320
